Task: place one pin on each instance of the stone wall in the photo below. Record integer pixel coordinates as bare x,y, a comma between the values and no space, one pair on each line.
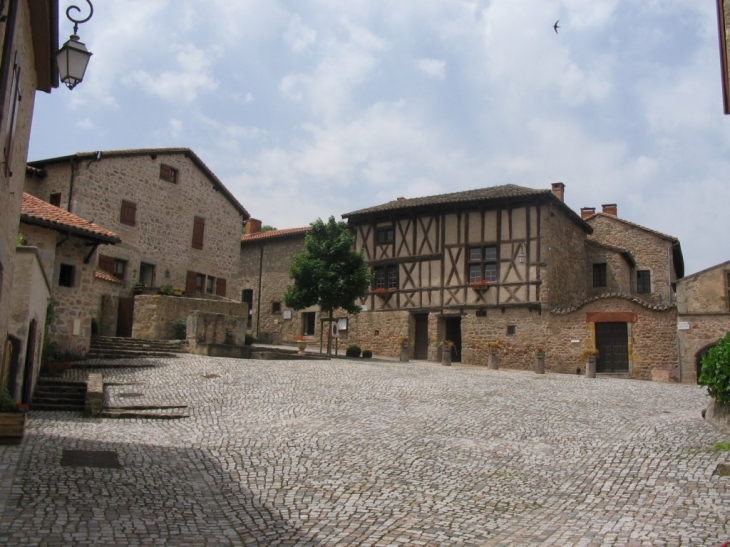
650,251
379,331
618,272
704,331
707,291
153,315
11,187
267,326
208,330
165,213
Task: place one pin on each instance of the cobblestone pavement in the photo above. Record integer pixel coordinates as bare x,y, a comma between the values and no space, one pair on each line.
320,453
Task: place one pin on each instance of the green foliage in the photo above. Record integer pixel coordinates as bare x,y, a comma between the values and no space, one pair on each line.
7,403
353,351
722,447
716,371
50,312
166,289
249,340
94,327
20,240
329,273
180,327
367,354
268,228
50,350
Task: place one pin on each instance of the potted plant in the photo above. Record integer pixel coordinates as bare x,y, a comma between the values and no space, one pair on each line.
178,292
402,342
590,355
540,360
166,290
12,417
715,374
446,346
493,349
301,342
481,285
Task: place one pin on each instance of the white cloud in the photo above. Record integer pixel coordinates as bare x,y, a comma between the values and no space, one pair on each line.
86,123
433,68
193,78
298,35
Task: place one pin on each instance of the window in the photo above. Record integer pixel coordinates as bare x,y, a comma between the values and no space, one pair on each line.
483,264
600,278
276,307
511,330
643,281
147,274
120,267
386,277
66,275
198,232
55,199
168,173
384,235
210,285
112,265
247,297
220,286
128,214
199,283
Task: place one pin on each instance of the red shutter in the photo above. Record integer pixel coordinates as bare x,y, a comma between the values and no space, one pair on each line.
106,263
190,282
198,232
220,287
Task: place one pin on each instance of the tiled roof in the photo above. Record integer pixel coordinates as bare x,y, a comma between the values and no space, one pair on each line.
722,265
274,233
468,196
620,250
629,297
106,276
629,223
100,155
41,213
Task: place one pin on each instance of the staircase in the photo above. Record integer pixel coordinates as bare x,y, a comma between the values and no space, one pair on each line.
59,395
108,347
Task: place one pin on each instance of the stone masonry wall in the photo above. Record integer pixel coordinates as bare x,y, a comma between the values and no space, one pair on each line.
11,188
705,292
153,315
165,213
650,251
704,331
618,272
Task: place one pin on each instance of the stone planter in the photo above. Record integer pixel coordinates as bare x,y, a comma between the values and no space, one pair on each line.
591,366
12,426
540,362
405,353
718,414
493,360
446,355
302,345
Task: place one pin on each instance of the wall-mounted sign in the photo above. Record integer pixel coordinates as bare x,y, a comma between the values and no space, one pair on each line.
287,314
363,308
342,323
683,325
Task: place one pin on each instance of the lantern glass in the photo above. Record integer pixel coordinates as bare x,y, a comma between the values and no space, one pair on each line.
72,58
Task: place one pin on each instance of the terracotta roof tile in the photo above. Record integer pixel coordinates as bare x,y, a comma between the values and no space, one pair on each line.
481,194
36,211
629,223
604,296
274,233
106,276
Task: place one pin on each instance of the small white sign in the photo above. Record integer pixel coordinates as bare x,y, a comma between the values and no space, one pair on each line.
575,341
363,308
342,323
683,325
287,314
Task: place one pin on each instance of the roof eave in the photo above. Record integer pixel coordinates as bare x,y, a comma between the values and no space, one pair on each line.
83,234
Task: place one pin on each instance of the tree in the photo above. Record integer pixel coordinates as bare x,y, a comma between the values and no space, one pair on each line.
328,273
268,228
715,372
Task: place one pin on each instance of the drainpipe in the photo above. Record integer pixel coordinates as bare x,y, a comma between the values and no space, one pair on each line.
71,186
258,298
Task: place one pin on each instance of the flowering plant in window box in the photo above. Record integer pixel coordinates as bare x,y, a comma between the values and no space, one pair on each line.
481,285
382,291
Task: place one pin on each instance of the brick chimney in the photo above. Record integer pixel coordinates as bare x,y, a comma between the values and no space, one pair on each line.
559,190
610,209
253,226
586,212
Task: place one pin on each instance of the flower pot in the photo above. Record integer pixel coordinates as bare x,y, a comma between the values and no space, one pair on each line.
493,361
302,345
446,355
178,292
591,366
540,363
12,425
404,353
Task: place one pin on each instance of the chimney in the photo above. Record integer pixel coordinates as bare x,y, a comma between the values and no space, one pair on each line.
586,212
253,226
610,209
559,190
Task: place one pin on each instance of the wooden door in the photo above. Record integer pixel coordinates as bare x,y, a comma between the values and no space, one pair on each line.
420,348
612,342
125,317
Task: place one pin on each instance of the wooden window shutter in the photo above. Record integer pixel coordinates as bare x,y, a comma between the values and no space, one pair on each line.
106,263
198,232
220,287
190,282
128,213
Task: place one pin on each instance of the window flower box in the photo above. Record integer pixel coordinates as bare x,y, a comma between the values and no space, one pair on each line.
481,285
383,293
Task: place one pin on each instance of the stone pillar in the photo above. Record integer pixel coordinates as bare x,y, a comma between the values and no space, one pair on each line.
446,355
540,363
591,366
404,352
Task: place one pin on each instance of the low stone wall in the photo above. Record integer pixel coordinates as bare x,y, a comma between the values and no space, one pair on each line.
216,334
153,315
718,415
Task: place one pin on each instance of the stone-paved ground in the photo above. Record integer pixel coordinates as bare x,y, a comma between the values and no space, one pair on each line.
321,453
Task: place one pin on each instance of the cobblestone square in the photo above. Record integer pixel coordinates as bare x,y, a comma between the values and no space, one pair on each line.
372,453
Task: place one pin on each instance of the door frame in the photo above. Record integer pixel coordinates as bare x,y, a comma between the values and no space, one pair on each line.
629,351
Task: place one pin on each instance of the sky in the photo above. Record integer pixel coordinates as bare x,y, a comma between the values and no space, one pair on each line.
311,108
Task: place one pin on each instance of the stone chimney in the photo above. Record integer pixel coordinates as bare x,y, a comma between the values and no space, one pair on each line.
559,190
610,209
586,212
253,226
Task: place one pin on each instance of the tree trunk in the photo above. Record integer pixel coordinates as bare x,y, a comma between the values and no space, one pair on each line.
329,335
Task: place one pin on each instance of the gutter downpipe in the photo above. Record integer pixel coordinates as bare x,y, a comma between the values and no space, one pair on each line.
71,186
258,298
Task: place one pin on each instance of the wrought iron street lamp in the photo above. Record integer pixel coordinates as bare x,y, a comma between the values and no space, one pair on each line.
73,57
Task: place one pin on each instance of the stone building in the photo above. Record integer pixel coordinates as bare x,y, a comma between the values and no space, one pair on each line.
703,305
28,42
179,225
516,267
264,276
67,246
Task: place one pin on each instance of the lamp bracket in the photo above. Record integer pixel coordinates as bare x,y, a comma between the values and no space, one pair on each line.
77,21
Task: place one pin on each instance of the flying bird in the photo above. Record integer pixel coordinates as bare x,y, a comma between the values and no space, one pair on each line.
556,26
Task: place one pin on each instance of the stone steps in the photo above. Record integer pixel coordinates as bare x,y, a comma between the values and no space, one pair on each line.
59,395
108,347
